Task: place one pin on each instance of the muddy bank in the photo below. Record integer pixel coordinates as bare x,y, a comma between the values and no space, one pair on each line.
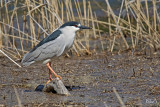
90,80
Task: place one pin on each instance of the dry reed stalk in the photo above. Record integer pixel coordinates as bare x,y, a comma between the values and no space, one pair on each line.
148,18
11,24
111,24
120,11
43,18
7,15
19,55
21,40
5,33
68,10
112,43
77,8
119,98
154,15
138,21
2,3
109,28
129,21
1,38
71,9
75,46
38,29
152,40
118,27
93,24
141,20
99,33
86,33
80,12
13,39
15,29
56,16
13,13
14,50
87,50
16,37
10,52
46,14
35,8
17,95
105,104
7,18
62,12
51,18
38,25
10,58
33,28
142,17
31,22
84,9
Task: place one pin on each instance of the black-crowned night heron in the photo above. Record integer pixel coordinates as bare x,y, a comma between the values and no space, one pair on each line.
53,45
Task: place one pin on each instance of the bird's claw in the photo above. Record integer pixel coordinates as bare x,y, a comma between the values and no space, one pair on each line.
48,81
59,77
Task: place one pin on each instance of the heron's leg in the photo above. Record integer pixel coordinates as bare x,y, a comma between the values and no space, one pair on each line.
50,76
49,67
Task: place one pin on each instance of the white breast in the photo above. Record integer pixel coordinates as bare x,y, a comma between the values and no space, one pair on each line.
69,36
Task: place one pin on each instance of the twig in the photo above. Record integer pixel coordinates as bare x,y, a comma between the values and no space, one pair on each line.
10,59
119,98
17,95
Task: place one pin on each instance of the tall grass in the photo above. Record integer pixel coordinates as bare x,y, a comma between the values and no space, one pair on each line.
140,26
24,23
28,22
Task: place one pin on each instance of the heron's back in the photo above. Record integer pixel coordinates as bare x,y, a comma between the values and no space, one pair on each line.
46,51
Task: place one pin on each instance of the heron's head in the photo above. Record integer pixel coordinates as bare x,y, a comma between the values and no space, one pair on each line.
73,26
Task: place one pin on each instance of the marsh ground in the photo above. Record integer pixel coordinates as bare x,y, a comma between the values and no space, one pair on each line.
135,77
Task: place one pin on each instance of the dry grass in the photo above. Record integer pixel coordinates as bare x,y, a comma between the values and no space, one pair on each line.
23,26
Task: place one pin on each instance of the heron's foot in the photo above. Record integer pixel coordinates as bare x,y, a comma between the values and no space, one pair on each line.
48,81
57,76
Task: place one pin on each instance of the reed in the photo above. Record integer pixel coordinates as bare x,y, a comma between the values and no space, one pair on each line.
22,30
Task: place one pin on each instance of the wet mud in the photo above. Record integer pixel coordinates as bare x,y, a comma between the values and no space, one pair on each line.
90,80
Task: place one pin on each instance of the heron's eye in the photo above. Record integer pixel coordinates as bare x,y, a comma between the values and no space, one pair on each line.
75,25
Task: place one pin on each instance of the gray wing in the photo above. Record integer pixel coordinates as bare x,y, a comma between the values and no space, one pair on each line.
45,51
49,38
